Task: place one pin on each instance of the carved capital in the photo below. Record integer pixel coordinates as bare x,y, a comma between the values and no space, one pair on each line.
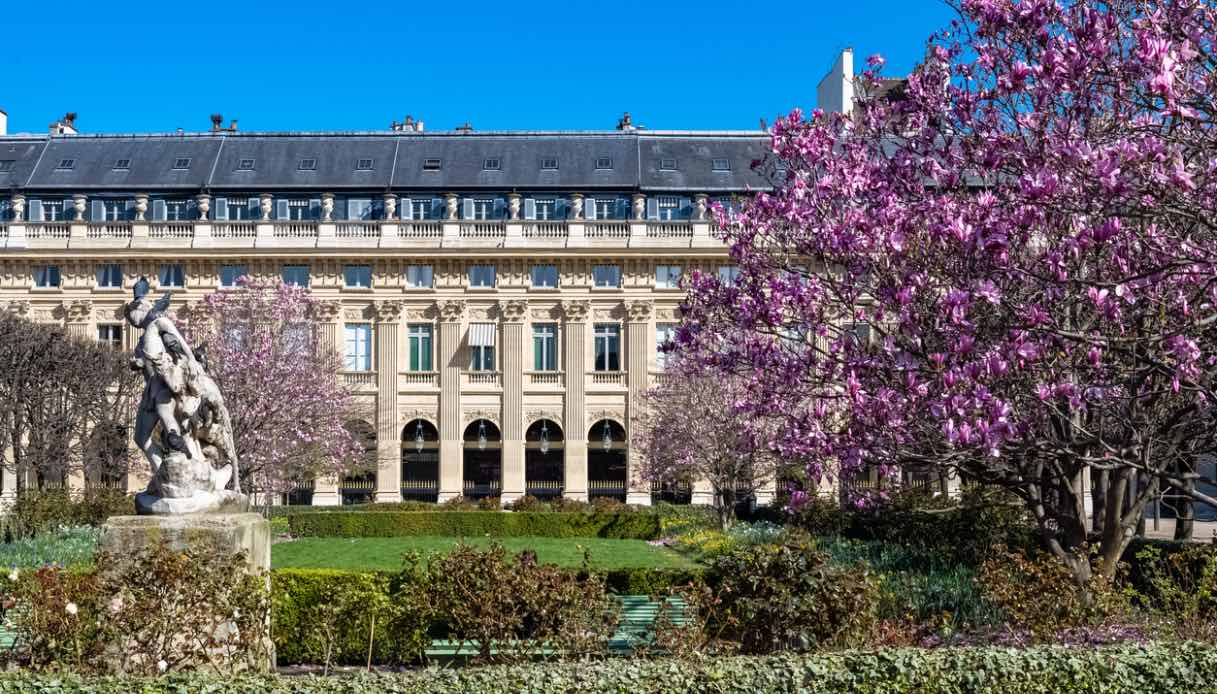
576,310
533,416
451,311
513,310
427,416
640,311
387,311
19,308
327,311
471,416
79,311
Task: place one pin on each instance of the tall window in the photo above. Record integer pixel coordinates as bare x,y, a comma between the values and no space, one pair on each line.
664,334
358,346
667,276
481,275
419,277
728,274
110,276
545,208
299,209
172,275
545,276
358,276
545,347
52,211
115,210
608,347
229,274
604,276
421,209
110,335
420,346
297,275
481,346
177,210
606,208
238,209
483,208
46,276
669,207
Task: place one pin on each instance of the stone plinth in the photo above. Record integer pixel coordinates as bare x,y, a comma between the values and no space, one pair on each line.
224,533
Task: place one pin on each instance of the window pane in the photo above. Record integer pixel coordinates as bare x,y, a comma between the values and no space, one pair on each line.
606,275
229,274
481,275
359,276
297,275
358,347
172,276
418,276
545,276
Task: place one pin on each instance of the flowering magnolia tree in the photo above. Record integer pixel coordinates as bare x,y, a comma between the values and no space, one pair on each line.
282,386
1006,269
688,431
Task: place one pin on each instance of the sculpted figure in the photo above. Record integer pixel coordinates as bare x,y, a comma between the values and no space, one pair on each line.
182,425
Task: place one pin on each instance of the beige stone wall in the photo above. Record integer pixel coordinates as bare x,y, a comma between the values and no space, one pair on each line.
390,396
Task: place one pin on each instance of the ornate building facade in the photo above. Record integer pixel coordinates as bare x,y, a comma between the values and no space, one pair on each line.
499,297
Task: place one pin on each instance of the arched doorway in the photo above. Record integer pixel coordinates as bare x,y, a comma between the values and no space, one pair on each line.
606,460
544,459
420,461
359,487
483,466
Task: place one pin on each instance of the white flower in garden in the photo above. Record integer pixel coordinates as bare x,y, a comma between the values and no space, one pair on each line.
162,666
12,575
116,604
71,608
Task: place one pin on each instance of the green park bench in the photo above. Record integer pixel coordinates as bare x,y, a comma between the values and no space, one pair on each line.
635,629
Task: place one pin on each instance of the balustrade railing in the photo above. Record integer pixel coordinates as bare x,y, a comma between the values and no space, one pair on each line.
607,230
607,378
108,230
420,230
48,230
357,230
234,230
482,378
483,229
359,379
295,230
171,230
427,379
545,378
670,230
545,230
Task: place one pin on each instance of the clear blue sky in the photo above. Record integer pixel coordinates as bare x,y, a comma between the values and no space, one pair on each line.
145,66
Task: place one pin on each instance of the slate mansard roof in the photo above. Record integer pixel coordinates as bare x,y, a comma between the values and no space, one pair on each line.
657,161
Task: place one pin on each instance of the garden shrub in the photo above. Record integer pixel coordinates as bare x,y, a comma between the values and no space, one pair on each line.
528,502
640,526
513,607
789,597
490,503
1037,593
1175,667
1181,588
38,511
677,519
640,581
325,616
156,610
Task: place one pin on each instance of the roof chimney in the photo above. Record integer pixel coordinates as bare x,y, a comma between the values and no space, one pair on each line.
64,126
466,128
232,125
3,122
216,119
625,123
835,93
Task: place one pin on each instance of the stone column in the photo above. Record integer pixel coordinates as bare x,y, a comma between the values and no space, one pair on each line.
574,350
514,313
451,460
326,313
638,356
388,428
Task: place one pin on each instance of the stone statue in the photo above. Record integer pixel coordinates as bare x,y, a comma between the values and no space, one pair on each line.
182,424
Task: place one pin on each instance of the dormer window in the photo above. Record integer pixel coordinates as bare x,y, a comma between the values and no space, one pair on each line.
604,162
431,165
363,164
66,164
549,164
6,165
721,164
122,164
181,163
667,164
245,165
307,165
490,164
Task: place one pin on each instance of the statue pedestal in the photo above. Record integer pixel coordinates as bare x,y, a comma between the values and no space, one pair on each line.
222,533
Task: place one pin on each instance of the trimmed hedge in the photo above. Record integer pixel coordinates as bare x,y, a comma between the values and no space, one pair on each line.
626,526
1185,667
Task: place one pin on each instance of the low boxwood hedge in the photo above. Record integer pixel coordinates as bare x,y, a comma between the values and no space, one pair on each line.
629,526
1048,670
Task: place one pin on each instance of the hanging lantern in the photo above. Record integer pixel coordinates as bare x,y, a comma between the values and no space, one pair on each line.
544,437
418,437
482,436
606,439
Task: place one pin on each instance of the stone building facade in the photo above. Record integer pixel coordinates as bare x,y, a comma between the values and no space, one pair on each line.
499,297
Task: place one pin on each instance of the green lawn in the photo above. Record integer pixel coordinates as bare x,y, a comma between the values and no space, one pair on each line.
384,553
